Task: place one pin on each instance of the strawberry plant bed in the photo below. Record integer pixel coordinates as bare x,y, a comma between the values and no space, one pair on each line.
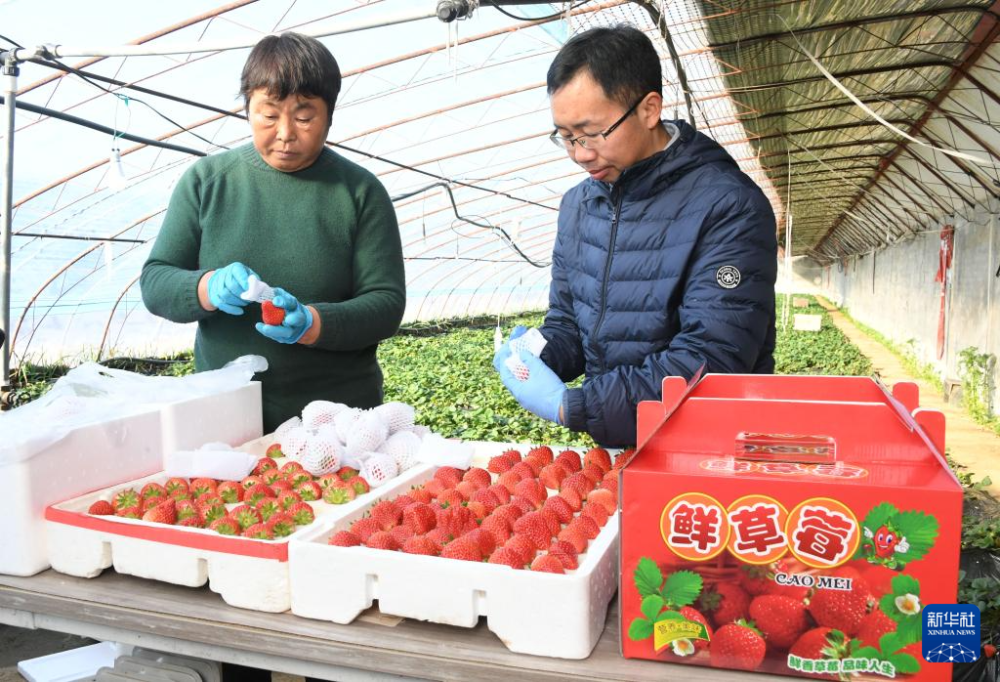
558,614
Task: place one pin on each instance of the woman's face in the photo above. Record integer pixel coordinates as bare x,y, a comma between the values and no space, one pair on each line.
289,133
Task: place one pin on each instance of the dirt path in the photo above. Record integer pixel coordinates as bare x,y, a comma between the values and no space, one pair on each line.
968,442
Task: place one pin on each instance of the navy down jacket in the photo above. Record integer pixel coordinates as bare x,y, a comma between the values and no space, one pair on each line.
671,268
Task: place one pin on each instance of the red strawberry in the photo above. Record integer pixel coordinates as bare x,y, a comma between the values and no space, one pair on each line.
507,557
246,516
500,492
781,620
531,490
726,603
101,508
498,528
421,495
523,547
534,527
499,464
326,480
129,512
595,512
434,487
873,626
256,493
281,524
271,314
547,564
401,533
297,478
310,491
440,536
268,507
264,464
524,470
478,476
513,456
382,540
509,480
478,508
191,522
290,466
566,553
842,609
487,498
259,531
623,457
463,549
153,490
420,518
165,512
450,498
543,453
213,512
230,492
579,483
450,476
225,526
280,486
576,537
820,643
302,513
593,473
487,543
247,482
598,457
560,507
200,486
421,544
403,501
552,519
150,502
989,650
344,538
346,473
570,460
523,504
610,484
509,513
465,489
587,525
682,648
737,646
186,510
339,493
175,483
364,528
288,498
552,476
274,451
574,498
605,498
125,499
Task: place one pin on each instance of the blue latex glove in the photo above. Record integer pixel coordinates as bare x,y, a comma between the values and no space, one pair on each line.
298,319
542,392
225,286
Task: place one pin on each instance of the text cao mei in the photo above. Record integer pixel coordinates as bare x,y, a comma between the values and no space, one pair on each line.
820,582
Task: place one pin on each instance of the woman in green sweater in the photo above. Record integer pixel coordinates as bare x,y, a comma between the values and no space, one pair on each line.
300,217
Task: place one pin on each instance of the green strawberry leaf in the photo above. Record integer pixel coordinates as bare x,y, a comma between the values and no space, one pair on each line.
640,629
651,606
910,629
669,615
867,652
648,577
888,605
889,643
879,516
905,663
905,584
681,588
920,531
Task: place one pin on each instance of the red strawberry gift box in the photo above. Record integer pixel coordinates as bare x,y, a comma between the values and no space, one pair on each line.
793,525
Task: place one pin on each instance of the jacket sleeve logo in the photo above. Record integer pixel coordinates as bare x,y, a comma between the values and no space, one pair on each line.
728,277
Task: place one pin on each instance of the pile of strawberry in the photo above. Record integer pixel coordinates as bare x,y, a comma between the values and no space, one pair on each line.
539,511
271,502
755,616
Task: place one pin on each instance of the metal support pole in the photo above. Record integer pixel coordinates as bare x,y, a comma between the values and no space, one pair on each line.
10,72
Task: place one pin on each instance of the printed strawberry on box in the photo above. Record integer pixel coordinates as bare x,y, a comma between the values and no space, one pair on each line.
793,525
526,537
233,535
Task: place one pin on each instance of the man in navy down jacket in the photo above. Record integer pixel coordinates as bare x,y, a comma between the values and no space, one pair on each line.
665,257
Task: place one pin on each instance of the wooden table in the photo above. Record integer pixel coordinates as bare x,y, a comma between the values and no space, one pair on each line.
196,622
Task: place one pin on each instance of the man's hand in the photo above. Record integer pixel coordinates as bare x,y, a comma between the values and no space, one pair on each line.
541,393
225,286
298,319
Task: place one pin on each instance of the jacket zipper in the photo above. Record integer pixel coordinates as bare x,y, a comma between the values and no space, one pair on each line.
607,273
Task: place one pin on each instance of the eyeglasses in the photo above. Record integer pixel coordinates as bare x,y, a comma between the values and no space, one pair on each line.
591,140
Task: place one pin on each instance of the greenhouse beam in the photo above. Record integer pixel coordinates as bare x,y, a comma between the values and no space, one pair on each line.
10,72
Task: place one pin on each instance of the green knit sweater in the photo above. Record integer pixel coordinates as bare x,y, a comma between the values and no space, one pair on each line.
326,234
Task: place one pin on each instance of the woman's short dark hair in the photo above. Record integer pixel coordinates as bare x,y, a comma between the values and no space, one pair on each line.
620,58
291,64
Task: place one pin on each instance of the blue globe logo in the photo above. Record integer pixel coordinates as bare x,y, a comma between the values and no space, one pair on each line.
951,653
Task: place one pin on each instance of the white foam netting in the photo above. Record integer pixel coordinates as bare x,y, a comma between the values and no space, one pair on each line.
397,416
319,413
367,433
403,448
377,468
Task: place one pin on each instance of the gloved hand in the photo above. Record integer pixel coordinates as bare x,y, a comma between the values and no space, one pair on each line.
541,393
298,319
225,286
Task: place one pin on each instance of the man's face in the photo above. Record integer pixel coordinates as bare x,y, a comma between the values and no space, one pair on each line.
290,133
581,107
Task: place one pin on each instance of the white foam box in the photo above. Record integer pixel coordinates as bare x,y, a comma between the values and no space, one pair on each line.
247,573
73,664
545,614
87,458
231,417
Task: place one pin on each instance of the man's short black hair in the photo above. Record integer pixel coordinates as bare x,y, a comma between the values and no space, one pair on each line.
620,58
291,64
